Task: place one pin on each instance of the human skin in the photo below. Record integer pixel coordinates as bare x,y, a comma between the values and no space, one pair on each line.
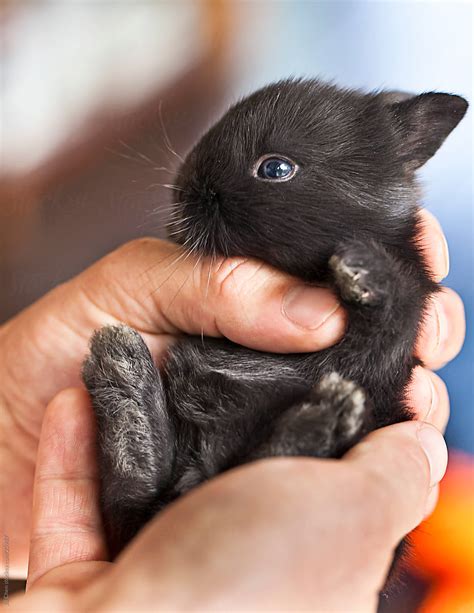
149,285
281,534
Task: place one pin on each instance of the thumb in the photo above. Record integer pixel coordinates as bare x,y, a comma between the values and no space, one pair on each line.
405,462
66,522
159,288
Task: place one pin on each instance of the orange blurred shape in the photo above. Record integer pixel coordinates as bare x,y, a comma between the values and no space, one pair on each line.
449,597
444,544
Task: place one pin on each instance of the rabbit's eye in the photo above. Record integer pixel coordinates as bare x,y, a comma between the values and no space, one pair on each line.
275,168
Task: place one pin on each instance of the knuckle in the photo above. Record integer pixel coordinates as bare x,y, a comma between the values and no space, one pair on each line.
375,492
398,497
235,278
227,278
138,244
228,289
66,508
134,249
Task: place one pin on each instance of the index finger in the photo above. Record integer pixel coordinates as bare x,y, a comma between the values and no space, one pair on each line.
434,245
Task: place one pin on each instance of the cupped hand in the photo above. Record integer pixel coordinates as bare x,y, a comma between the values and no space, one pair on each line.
279,534
155,287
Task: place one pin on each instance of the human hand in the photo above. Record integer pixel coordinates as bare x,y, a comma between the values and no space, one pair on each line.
286,534
150,285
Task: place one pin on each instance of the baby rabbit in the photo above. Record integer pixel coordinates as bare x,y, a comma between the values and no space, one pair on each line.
318,182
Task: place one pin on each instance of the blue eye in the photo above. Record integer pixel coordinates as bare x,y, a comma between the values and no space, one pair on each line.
273,168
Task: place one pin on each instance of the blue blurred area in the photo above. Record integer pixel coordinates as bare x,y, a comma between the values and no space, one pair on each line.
412,46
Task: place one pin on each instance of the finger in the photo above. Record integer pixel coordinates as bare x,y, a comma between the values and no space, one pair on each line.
66,524
72,577
427,397
404,462
243,300
443,331
431,501
434,245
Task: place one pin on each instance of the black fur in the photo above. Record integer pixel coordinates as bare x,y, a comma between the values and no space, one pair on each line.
348,219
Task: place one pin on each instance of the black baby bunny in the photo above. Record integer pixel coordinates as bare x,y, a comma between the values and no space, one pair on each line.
320,183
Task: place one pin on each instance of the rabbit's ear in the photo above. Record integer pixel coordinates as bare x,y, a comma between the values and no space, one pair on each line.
423,122
395,96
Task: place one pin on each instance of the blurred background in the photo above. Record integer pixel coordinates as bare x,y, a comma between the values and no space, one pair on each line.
99,99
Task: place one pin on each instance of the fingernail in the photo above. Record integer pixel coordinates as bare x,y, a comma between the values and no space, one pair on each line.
441,327
434,446
431,501
441,256
445,256
435,332
309,307
431,394
422,396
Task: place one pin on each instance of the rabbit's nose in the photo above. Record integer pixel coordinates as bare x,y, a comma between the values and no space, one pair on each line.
212,198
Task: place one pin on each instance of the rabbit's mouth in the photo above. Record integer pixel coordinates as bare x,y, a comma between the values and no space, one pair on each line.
198,225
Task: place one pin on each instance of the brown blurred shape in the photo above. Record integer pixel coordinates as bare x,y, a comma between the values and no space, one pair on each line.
89,198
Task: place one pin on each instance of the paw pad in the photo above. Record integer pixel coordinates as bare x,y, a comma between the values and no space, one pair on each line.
352,280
